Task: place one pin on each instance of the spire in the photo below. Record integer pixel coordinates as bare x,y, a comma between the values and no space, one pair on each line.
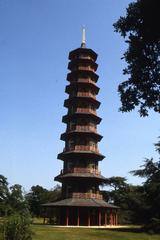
83,44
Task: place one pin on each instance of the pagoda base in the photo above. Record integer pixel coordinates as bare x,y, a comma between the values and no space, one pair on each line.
80,212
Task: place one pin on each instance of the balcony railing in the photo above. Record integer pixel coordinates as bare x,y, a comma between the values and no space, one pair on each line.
85,110
85,57
81,170
85,80
86,195
82,148
82,129
85,94
85,68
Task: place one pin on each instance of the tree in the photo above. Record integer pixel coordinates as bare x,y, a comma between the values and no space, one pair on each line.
17,227
129,198
151,172
17,200
54,194
157,145
116,182
117,192
11,198
13,205
35,198
3,188
39,195
140,29
4,194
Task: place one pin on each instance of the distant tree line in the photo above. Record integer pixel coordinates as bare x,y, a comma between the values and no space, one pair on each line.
39,195
138,204
15,212
13,199
18,208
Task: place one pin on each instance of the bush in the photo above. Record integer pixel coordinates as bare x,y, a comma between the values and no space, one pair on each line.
17,227
153,226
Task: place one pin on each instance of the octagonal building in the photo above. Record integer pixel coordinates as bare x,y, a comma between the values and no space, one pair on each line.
81,200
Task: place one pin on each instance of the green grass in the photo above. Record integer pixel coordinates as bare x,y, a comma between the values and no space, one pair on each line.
47,232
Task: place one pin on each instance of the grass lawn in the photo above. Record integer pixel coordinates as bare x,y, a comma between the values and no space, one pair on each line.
46,232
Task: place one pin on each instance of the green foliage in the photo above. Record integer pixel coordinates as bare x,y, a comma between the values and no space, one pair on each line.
138,204
52,233
17,227
39,195
129,198
151,172
11,198
153,226
140,29
16,199
3,188
116,182
157,145
4,195
35,198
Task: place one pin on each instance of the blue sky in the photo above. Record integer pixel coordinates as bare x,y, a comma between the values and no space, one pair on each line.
35,39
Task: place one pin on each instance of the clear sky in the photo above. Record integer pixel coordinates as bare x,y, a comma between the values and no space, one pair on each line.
35,39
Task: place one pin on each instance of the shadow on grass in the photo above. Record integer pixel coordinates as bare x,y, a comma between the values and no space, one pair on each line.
132,230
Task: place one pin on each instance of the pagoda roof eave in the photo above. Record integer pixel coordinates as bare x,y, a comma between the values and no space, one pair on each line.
69,134
82,60
75,202
76,73
76,99
88,176
83,50
68,117
80,154
75,85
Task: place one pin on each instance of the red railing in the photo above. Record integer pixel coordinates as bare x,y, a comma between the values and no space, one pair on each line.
85,110
85,80
85,68
81,170
82,148
86,195
85,94
82,128
85,57
82,56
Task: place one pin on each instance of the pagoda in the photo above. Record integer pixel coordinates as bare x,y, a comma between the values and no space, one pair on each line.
81,200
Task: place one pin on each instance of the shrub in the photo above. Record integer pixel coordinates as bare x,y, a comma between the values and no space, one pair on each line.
17,227
153,226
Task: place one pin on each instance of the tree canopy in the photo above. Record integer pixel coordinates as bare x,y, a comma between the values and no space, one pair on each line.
140,28
151,172
39,195
12,198
128,197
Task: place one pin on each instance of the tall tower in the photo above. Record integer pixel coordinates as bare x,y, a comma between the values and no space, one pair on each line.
82,202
